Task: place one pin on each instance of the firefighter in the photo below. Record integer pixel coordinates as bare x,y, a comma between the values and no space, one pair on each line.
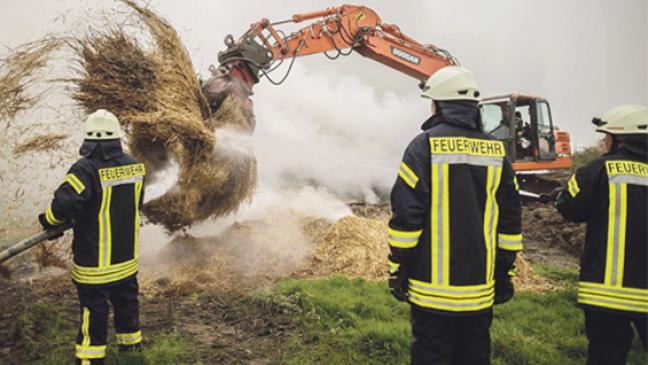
611,196
455,226
101,196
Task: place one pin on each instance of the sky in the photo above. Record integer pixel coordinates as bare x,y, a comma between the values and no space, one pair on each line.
346,123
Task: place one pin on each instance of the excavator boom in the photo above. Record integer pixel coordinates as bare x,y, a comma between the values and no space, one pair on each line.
336,30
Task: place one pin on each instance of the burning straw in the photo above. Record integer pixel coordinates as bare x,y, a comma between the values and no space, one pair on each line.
167,115
18,72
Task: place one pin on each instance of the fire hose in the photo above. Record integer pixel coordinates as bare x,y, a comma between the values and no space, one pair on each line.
32,241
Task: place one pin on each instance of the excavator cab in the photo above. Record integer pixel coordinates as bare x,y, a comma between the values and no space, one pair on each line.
524,124
535,146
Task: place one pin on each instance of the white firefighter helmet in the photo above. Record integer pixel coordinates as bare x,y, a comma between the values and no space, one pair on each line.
451,83
624,119
102,125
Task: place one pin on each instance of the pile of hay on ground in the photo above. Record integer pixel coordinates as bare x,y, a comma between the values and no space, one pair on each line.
18,72
154,91
353,246
526,279
41,143
256,253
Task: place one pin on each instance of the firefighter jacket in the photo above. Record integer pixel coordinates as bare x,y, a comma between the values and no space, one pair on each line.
101,194
611,196
455,212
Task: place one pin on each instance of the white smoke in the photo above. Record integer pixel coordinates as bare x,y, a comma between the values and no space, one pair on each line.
162,181
333,132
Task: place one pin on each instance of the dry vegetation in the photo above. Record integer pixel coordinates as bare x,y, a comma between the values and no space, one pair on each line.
40,143
154,91
253,254
18,72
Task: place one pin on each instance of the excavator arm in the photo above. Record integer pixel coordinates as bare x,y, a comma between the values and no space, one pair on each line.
337,30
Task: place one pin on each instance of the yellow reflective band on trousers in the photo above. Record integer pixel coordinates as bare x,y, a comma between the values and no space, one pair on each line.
138,193
511,242
50,218
105,234
403,239
90,352
408,175
85,350
98,275
451,298
491,218
74,181
615,251
440,223
572,186
129,338
613,297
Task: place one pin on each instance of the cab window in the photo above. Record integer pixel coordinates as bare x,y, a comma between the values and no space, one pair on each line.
492,116
544,118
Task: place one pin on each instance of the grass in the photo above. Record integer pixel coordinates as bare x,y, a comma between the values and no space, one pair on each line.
346,321
351,321
47,333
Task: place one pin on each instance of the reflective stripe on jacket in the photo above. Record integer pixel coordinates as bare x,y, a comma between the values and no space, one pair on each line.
610,195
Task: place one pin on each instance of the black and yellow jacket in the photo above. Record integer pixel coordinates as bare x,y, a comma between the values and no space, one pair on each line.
611,196
455,212
101,194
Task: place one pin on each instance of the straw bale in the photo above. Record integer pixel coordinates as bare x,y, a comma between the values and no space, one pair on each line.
154,91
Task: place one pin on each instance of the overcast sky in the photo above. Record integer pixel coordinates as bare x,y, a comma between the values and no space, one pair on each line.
354,116
585,56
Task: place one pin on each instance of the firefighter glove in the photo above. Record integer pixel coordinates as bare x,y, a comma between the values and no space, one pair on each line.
504,289
49,227
398,284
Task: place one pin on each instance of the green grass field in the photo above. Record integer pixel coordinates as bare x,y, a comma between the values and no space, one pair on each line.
352,321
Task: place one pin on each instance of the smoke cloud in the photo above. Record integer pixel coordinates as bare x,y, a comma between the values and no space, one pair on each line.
338,129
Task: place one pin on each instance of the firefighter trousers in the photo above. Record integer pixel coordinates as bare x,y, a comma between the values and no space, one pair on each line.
610,336
93,331
450,340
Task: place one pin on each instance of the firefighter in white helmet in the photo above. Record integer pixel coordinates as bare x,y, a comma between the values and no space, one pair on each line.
101,196
611,196
455,226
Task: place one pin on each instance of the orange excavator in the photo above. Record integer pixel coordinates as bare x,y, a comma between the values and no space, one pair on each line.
523,122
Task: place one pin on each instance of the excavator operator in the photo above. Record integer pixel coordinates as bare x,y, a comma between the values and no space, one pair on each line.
455,227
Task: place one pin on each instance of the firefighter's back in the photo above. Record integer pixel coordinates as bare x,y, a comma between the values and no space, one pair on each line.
105,246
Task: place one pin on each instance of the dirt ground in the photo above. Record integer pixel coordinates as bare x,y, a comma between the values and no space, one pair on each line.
195,305
212,321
